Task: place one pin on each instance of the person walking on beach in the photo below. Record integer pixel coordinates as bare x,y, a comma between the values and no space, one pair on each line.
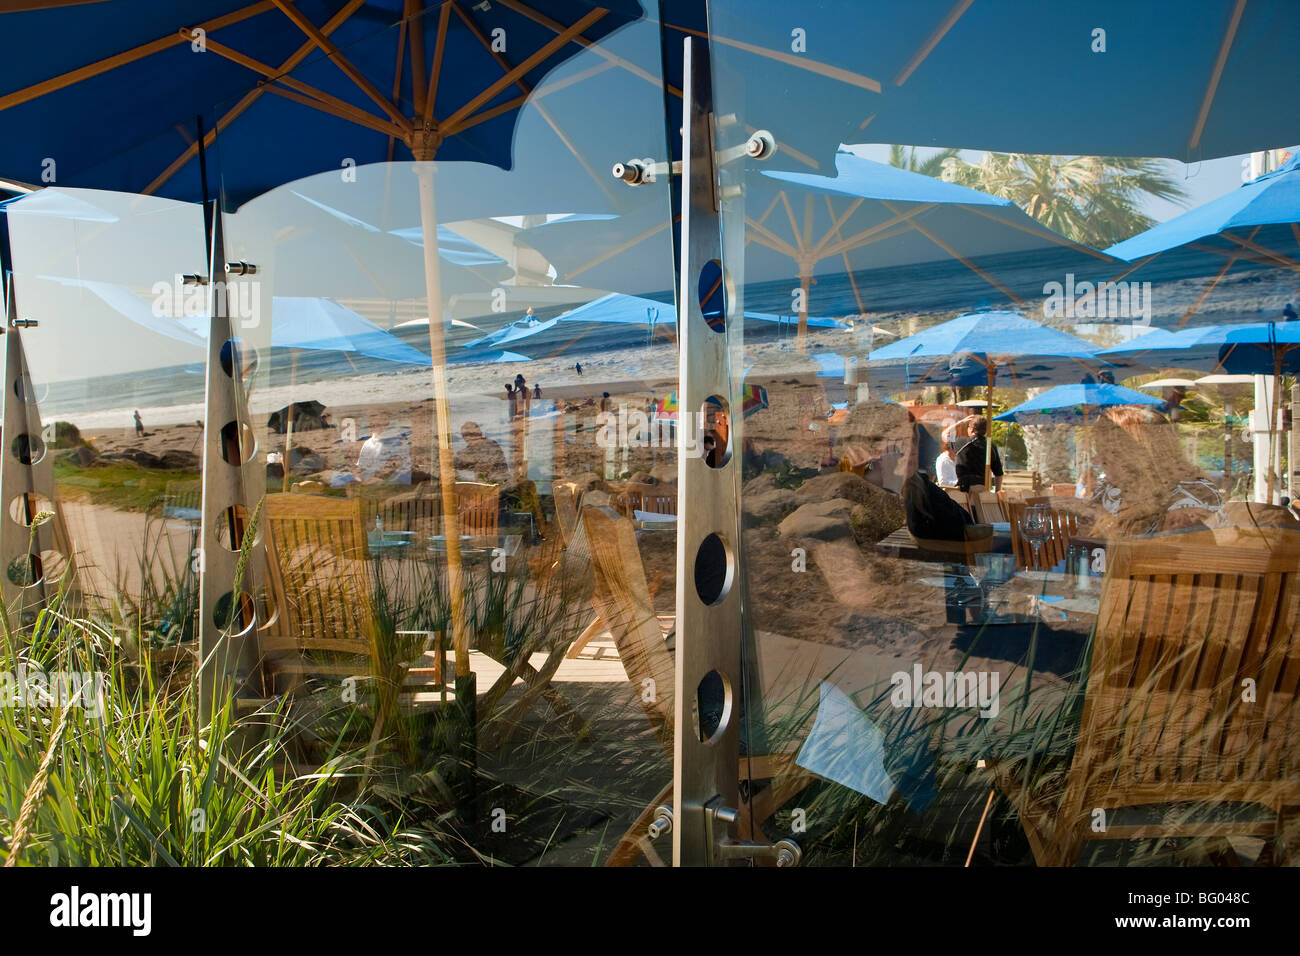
511,398
537,392
139,424
578,366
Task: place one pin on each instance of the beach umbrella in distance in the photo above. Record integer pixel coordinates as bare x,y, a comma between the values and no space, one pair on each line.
1074,404
1256,348
1169,383
869,216
980,348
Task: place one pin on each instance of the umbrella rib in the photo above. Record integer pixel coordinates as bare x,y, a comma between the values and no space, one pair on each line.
1212,87
64,80
508,68
248,99
794,223
1277,257
868,236
360,118
765,237
331,103
964,261
537,57
1042,232
853,283
789,150
556,27
836,224
788,59
616,250
300,20
397,71
1232,260
435,74
412,26
932,41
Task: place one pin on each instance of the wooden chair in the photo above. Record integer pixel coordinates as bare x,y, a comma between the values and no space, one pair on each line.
625,605
477,508
1191,701
1064,525
986,506
323,616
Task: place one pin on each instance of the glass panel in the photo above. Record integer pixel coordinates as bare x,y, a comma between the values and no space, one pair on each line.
116,373
1049,647
484,599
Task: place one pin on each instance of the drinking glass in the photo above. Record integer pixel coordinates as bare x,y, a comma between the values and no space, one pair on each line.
1036,526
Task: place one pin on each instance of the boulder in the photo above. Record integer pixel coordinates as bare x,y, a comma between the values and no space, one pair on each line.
764,500
875,513
819,521
176,458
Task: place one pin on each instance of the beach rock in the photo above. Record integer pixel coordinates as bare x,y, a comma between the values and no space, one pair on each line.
837,484
83,456
304,459
876,512
819,521
763,500
175,458
145,459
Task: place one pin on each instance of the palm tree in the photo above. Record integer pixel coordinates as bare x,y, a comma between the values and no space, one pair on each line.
1094,200
904,157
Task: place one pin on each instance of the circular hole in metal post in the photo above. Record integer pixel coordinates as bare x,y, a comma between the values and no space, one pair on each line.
24,571
715,439
712,707
25,388
23,508
237,443
28,449
231,524
713,295
225,617
54,565
714,570
237,357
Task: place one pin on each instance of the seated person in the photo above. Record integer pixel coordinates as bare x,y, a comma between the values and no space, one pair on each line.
931,514
945,467
481,459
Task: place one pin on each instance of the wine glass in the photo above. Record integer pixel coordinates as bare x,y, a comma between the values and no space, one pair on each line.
1036,526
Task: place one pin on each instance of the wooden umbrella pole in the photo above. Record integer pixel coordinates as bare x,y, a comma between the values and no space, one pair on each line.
1273,406
442,418
988,439
288,425
805,282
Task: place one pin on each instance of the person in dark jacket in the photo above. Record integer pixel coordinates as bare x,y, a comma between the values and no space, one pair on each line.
970,460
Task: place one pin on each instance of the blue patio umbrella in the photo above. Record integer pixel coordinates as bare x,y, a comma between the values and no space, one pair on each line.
316,324
979,348
1072,404
1258,222
1102,77
306,82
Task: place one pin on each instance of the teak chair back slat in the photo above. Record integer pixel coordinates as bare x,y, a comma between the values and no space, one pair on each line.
320,590
1191,699
477,508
